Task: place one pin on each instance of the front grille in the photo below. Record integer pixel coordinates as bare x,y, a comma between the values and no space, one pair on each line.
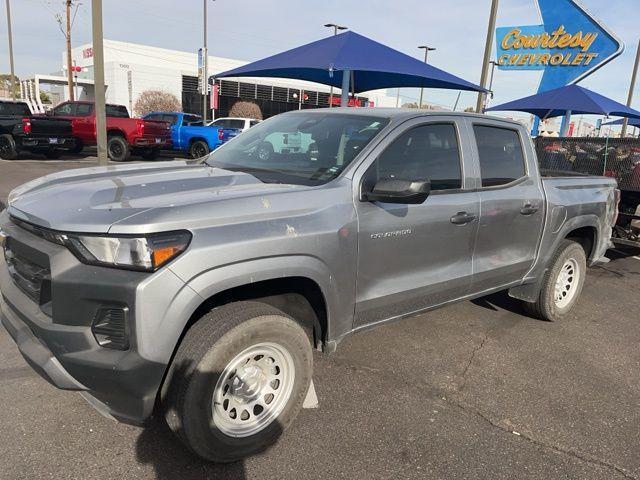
30,277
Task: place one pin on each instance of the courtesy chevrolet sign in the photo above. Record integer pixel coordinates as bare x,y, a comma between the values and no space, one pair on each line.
518,42
569,44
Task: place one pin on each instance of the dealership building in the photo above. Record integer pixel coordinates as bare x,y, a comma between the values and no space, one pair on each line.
131,68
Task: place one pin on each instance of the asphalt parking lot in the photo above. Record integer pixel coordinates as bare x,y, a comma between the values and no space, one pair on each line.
476,390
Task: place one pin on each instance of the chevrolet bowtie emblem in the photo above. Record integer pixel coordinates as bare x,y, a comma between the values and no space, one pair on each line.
3,238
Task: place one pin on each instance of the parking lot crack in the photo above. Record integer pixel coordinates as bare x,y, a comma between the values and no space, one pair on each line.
471,359
584,457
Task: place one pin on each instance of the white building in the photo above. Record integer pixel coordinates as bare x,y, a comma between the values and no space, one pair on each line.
131,68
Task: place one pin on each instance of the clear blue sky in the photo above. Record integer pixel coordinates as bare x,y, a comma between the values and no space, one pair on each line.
253,29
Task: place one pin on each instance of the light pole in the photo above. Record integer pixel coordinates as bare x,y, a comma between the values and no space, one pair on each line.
205,80
487,53
632,86
13,76
98,80
426,49
335,27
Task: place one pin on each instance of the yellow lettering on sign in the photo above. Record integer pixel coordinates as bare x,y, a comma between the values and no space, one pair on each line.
579,58
556,59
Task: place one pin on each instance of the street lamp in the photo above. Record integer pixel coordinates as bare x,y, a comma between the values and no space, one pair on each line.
426,49
335,27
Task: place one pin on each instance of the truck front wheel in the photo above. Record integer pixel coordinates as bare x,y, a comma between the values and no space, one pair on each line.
118,149
238,379
562,283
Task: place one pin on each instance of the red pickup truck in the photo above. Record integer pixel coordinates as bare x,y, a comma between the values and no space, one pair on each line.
125,135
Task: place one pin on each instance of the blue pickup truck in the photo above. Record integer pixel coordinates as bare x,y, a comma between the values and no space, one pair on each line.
190,136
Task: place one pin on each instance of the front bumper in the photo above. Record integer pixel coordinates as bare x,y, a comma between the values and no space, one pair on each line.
59,344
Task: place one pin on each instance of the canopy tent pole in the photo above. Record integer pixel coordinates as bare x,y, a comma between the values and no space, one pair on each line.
564,126
535,129
344,96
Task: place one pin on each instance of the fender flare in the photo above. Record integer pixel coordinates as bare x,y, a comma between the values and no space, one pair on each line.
219,279
530,291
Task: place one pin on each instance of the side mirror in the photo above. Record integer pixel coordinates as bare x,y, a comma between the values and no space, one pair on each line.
399,191
49,113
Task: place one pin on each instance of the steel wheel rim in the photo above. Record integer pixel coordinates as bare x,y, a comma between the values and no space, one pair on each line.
253,389
566,283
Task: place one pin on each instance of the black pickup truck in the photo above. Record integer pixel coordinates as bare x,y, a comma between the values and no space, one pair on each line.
21,130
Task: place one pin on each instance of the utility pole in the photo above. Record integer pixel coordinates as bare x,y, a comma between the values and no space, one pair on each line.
68,4
98,81
427,49
205,54
13,75
487,53
335,27
632,86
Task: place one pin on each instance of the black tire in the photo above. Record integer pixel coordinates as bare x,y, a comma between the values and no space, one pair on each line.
569,253
8,150
265,151
53,154
150,153
206,350
118,149
198,149
77,148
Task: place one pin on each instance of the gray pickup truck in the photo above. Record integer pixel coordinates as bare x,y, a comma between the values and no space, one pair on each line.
198,289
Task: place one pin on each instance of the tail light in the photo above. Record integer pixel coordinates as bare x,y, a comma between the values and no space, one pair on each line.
220,134
616,206
26,125
140,127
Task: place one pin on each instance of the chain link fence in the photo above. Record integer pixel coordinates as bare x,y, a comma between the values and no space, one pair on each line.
614,157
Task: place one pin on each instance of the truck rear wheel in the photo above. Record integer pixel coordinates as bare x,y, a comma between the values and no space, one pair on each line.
238,379
562,283
198,149
118,149
8,150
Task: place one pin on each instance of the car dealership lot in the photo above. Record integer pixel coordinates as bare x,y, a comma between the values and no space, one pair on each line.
474,390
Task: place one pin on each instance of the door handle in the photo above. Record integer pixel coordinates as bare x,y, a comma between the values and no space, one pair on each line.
528,209
461,218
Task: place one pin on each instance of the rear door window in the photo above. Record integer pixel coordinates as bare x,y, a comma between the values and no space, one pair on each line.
235,124
10,108
118,111
500,154
172,119
84,109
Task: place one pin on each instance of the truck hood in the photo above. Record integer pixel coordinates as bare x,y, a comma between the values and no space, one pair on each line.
91,200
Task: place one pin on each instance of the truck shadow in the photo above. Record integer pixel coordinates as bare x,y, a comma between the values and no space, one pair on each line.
500,301
159,447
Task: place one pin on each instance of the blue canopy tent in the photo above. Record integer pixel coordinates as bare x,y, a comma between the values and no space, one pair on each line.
632,122
567,100
351,62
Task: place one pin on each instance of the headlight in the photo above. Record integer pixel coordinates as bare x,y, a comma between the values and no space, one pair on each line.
146,253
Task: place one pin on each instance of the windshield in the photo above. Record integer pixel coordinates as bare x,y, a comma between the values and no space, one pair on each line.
299,148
